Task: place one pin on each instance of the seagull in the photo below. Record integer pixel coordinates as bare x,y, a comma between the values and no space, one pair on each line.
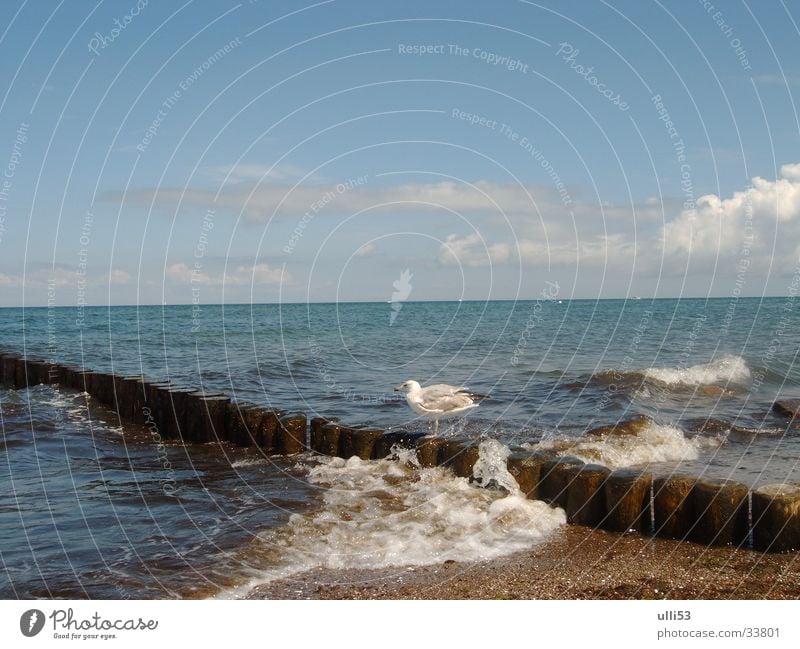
440,400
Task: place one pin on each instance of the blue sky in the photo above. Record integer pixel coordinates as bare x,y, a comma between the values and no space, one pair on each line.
288,151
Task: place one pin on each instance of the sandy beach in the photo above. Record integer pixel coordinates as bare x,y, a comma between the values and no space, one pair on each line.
576,563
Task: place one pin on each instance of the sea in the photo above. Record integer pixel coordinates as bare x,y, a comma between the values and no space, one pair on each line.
92,507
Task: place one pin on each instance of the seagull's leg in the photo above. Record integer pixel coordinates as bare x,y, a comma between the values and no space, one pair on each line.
436,427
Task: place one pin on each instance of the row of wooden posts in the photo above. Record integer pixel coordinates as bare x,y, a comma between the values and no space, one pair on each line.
710,512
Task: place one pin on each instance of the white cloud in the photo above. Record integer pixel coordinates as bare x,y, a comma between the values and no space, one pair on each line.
473,251
61,276
258,274
117,276
258,202
239,173
262,273
366,250
532,225
613,251
761,222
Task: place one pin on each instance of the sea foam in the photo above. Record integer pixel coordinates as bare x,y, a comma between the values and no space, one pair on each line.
653,443
382,513
727,369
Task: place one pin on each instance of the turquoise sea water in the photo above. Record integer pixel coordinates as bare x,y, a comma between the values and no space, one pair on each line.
85,513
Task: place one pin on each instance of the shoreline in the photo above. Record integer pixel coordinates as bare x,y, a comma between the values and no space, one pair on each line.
574,563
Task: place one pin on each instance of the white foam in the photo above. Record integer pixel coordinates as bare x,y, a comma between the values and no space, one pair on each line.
654,443
492,468
377,514
727,369
250,461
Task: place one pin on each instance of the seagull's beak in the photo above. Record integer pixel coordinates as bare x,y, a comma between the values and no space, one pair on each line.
398,388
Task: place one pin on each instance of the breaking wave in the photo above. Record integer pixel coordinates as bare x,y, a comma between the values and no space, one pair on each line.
724,370
384,513
644,442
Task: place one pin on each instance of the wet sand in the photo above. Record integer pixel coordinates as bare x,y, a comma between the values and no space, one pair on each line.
576,563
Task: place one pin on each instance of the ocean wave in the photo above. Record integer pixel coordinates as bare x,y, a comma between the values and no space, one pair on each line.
634,442
727,369
733,430
719,377
383,513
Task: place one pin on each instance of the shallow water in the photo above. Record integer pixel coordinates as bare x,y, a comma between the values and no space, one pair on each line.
95,510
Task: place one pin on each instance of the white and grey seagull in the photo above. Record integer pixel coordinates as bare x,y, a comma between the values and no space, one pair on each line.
438,401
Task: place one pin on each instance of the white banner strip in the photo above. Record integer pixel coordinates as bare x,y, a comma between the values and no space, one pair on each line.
620,624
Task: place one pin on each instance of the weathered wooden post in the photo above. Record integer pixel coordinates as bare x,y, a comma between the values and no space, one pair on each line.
160,406
243,423
586,503
37,372
673,508
143,404
64,374
267,436
9,370
776,518
205,417
384,443
290,437
555,478
126,387
345,447
428,450
460,457
329,439
102,387
722,512
21,373
363,442
526,468
315,439
627,501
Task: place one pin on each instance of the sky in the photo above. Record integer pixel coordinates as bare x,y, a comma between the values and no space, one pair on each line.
207,152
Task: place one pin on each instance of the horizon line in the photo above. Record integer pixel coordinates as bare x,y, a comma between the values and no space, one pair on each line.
456,301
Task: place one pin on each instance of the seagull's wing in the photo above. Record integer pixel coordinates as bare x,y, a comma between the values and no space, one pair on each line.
445,398
442,389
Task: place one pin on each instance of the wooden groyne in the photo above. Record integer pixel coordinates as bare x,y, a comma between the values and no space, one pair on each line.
708,512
